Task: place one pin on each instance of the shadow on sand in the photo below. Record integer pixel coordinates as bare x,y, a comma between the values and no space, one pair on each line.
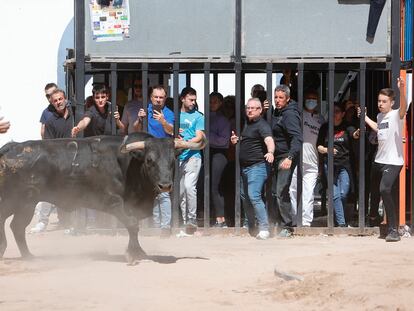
101,256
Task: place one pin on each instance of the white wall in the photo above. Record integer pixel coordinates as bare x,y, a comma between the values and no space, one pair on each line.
33,51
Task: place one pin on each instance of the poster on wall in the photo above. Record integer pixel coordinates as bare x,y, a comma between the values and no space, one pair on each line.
110,19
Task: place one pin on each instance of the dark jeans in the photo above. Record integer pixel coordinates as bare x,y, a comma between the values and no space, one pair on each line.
280,193
218,163
383,177
375,11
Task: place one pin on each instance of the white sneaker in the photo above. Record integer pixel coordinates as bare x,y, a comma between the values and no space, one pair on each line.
263,235
40,227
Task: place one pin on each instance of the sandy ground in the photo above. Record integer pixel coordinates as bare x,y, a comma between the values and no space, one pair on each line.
209,273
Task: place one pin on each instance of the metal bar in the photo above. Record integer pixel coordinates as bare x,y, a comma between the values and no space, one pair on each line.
176,191
80,60
207,148
300,160
361,196
239,87
238,32
144,68
331,92
114,86
269,93
188,79
395,48
215,82
237,208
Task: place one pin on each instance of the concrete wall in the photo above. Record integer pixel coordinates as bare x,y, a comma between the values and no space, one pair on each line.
35,36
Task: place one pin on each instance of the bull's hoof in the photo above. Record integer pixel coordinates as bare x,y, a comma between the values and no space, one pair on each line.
133,257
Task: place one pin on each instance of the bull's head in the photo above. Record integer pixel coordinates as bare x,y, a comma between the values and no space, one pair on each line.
158,156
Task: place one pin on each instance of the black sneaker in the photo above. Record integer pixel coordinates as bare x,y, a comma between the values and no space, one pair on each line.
393,236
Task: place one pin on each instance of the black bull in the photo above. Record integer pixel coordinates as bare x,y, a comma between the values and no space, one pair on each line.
120,176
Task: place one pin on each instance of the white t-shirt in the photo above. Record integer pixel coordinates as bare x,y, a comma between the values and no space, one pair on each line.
311,124
390,145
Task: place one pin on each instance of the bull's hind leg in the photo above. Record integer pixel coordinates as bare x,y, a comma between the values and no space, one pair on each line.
3,240
21,220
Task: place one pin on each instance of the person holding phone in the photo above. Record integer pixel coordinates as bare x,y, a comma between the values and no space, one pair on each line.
97,119
160,124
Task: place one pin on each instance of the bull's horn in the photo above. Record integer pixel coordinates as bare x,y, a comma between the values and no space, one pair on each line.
138,145
182,144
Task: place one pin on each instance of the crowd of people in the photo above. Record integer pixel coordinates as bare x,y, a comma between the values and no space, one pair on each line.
269,151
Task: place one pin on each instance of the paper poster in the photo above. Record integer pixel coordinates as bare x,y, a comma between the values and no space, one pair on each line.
109,19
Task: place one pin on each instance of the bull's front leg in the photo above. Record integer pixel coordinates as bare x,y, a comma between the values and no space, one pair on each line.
134,251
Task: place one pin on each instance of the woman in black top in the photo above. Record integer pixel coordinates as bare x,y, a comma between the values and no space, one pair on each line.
343,155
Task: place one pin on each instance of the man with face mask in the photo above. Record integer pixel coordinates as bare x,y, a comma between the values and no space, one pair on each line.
312,122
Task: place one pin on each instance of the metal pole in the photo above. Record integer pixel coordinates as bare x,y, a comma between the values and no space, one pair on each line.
207,148
215,82
331,92
269,93
361,196
80,59
300,160
237,207
114,86
145,93
176,191
238,87
395,48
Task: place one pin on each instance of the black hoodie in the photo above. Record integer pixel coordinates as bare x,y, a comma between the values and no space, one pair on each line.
286,130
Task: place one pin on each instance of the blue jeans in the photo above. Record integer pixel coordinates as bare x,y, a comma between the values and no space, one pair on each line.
341,188
252,180
161,213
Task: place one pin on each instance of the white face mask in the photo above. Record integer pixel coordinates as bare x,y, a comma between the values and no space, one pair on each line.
311,104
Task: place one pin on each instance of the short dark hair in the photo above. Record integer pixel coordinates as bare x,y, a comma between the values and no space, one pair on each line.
188,90
387,92
311,92
340,106
50,85
100,88
217,95
158,87
255,89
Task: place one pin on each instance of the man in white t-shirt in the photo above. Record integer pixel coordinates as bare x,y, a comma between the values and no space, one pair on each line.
389,159
312,122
